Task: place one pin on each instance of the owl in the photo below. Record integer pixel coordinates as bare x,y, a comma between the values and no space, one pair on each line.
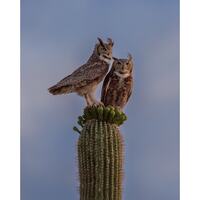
85,79
118,84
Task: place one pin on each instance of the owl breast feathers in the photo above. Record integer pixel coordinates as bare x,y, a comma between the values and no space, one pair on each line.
116,91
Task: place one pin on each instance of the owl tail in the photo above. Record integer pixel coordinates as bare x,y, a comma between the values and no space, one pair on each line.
57,90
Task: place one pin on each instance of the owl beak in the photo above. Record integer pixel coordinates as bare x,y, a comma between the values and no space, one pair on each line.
107,57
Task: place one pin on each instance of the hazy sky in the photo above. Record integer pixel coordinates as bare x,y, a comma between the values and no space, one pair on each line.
59,35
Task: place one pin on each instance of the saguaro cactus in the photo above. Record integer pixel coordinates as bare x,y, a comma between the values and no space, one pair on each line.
100,153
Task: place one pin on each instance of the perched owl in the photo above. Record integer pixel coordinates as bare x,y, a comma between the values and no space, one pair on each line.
118,84
85,79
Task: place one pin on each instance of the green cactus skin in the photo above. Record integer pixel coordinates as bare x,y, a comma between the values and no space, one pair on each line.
100,155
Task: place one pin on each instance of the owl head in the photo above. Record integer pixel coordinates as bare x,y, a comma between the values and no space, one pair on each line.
104,49
123,67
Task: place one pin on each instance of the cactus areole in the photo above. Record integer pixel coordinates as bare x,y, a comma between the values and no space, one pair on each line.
100,153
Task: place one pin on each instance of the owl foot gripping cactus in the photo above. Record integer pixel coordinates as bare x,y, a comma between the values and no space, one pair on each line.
100,153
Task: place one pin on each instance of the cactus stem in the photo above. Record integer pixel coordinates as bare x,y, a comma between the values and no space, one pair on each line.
100,154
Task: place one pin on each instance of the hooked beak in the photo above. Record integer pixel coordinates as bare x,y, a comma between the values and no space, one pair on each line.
114,58
107,57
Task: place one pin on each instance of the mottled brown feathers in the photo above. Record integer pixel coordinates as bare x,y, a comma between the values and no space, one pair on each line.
85,79
116,92
80,78
118,84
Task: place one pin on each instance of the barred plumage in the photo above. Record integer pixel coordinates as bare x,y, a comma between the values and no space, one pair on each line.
118,84
85,79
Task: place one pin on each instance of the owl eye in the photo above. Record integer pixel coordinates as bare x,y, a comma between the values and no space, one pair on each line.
102,47
127,63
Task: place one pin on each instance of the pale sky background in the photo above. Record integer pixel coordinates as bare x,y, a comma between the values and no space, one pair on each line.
59,35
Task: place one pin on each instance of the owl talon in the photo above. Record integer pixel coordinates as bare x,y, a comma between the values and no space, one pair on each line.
98,103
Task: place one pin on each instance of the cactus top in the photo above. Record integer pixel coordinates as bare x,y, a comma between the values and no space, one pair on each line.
101,113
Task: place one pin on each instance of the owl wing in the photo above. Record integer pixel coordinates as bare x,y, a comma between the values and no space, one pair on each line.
106,85
81,77
85,74
130,88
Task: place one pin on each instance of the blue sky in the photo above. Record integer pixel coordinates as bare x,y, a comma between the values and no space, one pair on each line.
56,37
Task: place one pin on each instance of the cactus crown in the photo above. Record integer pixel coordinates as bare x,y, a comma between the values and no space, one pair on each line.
107,114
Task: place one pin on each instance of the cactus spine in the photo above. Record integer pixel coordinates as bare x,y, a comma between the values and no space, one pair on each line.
100,153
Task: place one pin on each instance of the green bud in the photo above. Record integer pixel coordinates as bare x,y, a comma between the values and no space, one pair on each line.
100,113
111,116
106,113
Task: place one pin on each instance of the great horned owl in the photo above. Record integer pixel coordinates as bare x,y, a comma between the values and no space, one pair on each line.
85,79
118,84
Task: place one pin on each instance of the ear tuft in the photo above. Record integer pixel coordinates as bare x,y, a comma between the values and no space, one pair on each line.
130,57
100,41
110,41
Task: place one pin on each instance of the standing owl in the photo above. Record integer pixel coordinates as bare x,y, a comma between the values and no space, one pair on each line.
118,84
85,79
